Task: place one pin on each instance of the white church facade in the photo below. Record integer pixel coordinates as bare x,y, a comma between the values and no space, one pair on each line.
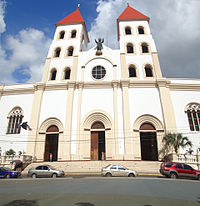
99,105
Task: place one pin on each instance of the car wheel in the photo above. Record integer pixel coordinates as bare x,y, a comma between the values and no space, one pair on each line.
198,178
131,175
173,175
108,174
54,175
34,176
7,176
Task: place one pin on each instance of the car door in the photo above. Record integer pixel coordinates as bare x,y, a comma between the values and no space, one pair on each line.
122,171
179,169
38,171
46,171
189,171
114,170
2,172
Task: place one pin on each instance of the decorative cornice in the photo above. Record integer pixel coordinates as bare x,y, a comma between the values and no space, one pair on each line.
184,87
39,86
125,82
129,83
163,82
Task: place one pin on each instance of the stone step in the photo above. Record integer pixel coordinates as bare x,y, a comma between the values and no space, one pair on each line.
96,166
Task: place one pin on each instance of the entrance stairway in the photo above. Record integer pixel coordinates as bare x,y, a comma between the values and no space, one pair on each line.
94,167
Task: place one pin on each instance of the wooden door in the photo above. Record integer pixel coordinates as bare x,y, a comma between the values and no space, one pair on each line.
149,150
94,146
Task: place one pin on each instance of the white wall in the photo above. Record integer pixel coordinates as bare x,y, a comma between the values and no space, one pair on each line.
144,101
17,142
54,104
97,99
180,99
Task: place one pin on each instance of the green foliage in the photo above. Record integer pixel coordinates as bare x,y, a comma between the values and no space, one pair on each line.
20,152
10,152
176,140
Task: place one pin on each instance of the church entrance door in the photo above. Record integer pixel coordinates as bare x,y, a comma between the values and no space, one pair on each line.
97,145
51,144
97,142
148,142
149,150
51,147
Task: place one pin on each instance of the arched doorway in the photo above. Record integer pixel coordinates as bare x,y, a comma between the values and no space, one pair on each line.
148,142
51,144
98,141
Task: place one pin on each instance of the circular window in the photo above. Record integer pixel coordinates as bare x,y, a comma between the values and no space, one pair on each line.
98,72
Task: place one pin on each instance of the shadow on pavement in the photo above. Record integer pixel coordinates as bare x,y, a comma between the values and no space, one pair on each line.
84,204
22,203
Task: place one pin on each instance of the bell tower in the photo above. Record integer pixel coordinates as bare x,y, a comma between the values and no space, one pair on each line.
138,52
70,38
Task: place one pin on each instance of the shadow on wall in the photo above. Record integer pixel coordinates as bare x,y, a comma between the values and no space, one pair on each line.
22,203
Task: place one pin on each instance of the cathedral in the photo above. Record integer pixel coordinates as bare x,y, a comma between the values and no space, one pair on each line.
99,103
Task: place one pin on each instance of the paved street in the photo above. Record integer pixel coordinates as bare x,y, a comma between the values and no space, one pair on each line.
99,191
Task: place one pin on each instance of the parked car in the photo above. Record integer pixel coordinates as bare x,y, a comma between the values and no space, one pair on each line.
45,171
117,170
8,173
175,170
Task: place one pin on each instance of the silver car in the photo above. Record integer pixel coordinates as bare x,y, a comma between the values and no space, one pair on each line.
45,171
117,170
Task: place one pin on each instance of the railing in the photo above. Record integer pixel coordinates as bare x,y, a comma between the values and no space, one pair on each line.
193,160
6,160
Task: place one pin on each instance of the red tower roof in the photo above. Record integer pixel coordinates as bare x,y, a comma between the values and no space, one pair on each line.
73,18
129,14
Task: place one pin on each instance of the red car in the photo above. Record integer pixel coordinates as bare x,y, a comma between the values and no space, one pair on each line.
175,170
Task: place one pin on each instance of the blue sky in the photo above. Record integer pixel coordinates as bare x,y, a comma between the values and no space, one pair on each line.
27,28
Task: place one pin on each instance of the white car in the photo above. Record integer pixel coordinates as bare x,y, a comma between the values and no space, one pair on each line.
117,170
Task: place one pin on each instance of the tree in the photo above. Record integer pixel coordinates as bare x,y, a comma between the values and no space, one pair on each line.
176,140
10,152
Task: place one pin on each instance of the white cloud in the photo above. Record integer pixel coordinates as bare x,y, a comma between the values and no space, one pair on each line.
175,28
2,10
27,53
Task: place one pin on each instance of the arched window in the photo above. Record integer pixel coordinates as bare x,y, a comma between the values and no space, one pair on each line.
193,114
127,30
67,73
15,119
148,71
57,52
70,51
62,35
129,48
132,71
140,30
53,74
98,125
73,34
145,48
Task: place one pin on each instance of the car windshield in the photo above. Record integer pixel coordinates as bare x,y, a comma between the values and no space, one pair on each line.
6,169
107,166
53,168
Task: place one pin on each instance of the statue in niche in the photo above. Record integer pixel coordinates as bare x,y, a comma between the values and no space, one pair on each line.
99,46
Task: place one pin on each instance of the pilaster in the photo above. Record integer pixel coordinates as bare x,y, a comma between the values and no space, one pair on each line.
1,91
68,124
115,104
35,117
74,68
126,119
80,91
46,70
167,106
156,64
124,71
